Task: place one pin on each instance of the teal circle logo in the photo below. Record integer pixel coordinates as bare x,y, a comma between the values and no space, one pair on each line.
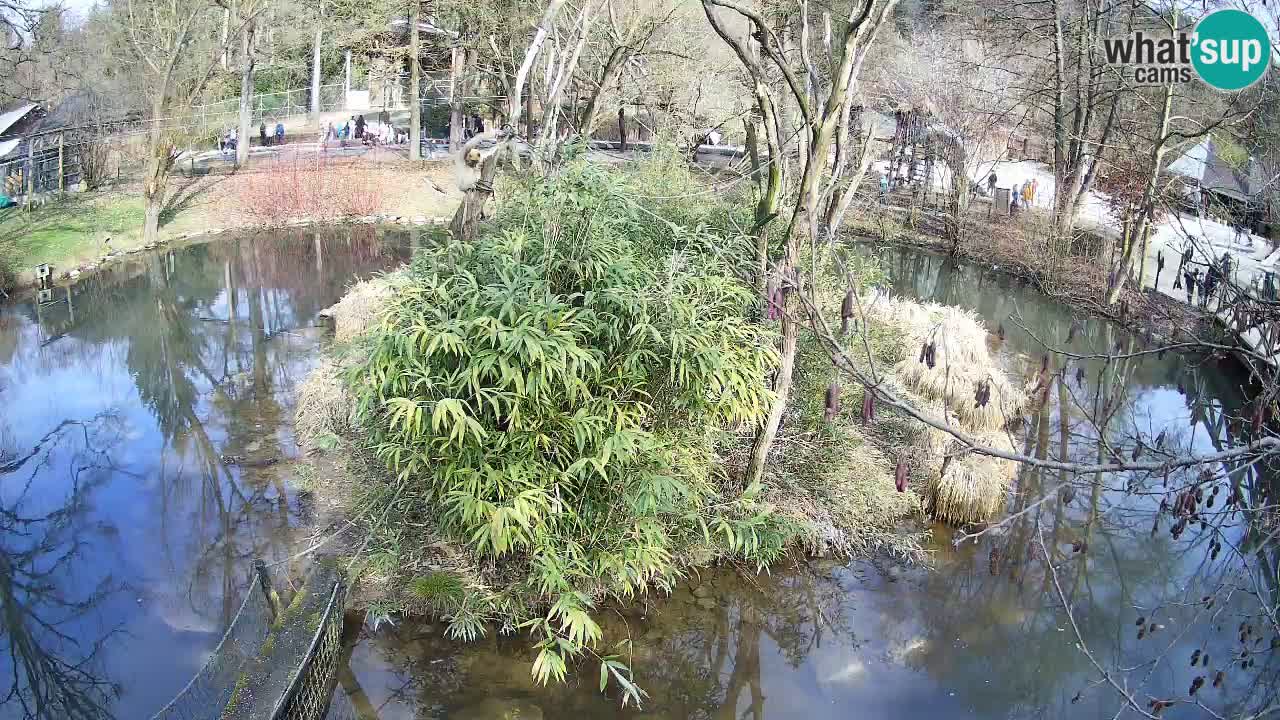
1230,49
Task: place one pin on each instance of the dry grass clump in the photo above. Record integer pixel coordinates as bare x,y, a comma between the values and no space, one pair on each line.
325,405
958,386
361,308
959,487
839,488
973,488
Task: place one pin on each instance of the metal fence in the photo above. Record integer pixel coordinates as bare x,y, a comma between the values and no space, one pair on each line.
267,106
213,687
310,691
228,685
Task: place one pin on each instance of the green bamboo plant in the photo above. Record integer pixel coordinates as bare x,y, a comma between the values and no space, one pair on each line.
555,392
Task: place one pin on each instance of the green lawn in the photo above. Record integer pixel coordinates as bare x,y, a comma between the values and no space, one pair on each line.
71,228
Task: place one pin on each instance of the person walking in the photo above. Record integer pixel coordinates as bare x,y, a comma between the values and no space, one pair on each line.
360,127
262,134
279,133
1211,277
1192,276
991,184
477,124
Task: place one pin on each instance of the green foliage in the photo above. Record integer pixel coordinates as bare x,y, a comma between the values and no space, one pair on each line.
553,393
438,588
1231,152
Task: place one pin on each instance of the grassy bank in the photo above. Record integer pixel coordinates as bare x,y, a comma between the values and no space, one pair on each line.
71,229
69,232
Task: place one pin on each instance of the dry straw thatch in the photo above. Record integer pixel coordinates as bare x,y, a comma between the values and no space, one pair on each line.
361,308
973,487
972,490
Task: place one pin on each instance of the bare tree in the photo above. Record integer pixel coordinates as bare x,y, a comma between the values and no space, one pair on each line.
820,109
172,52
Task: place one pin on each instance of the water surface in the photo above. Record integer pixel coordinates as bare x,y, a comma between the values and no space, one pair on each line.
142,418
143,415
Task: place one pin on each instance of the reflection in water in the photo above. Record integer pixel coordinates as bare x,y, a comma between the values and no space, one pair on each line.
984,634
145,412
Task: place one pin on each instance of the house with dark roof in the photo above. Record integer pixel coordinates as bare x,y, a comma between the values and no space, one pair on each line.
42,145
1222,180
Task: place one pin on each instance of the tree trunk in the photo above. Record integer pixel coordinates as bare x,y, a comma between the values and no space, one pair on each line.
801,227
415,78
528,111
457,90
248,58
1148,201
159,163
612,68
346,78
315,72
753,148
466,221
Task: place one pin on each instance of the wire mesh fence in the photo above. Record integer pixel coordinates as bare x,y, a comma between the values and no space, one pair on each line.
308,695
279,665
213,687
268,106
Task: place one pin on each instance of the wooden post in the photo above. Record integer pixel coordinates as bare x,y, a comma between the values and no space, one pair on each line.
264,584
31,171
622,128
62,179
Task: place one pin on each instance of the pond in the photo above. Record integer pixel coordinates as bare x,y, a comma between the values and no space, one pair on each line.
143,418
144,413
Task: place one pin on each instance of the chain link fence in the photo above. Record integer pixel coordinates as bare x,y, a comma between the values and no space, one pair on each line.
272,664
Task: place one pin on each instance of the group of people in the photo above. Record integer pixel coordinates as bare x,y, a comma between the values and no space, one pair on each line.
378,132
228,141
471,126
1023,195
1206,284
275,138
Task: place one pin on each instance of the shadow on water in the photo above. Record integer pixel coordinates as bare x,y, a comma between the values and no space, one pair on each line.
981,635
145,412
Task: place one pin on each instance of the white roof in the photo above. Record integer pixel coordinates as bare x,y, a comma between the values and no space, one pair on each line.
8,119
7,146
1192,163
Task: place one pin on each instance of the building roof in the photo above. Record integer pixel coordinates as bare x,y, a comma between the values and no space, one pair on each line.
1204,164
14,114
